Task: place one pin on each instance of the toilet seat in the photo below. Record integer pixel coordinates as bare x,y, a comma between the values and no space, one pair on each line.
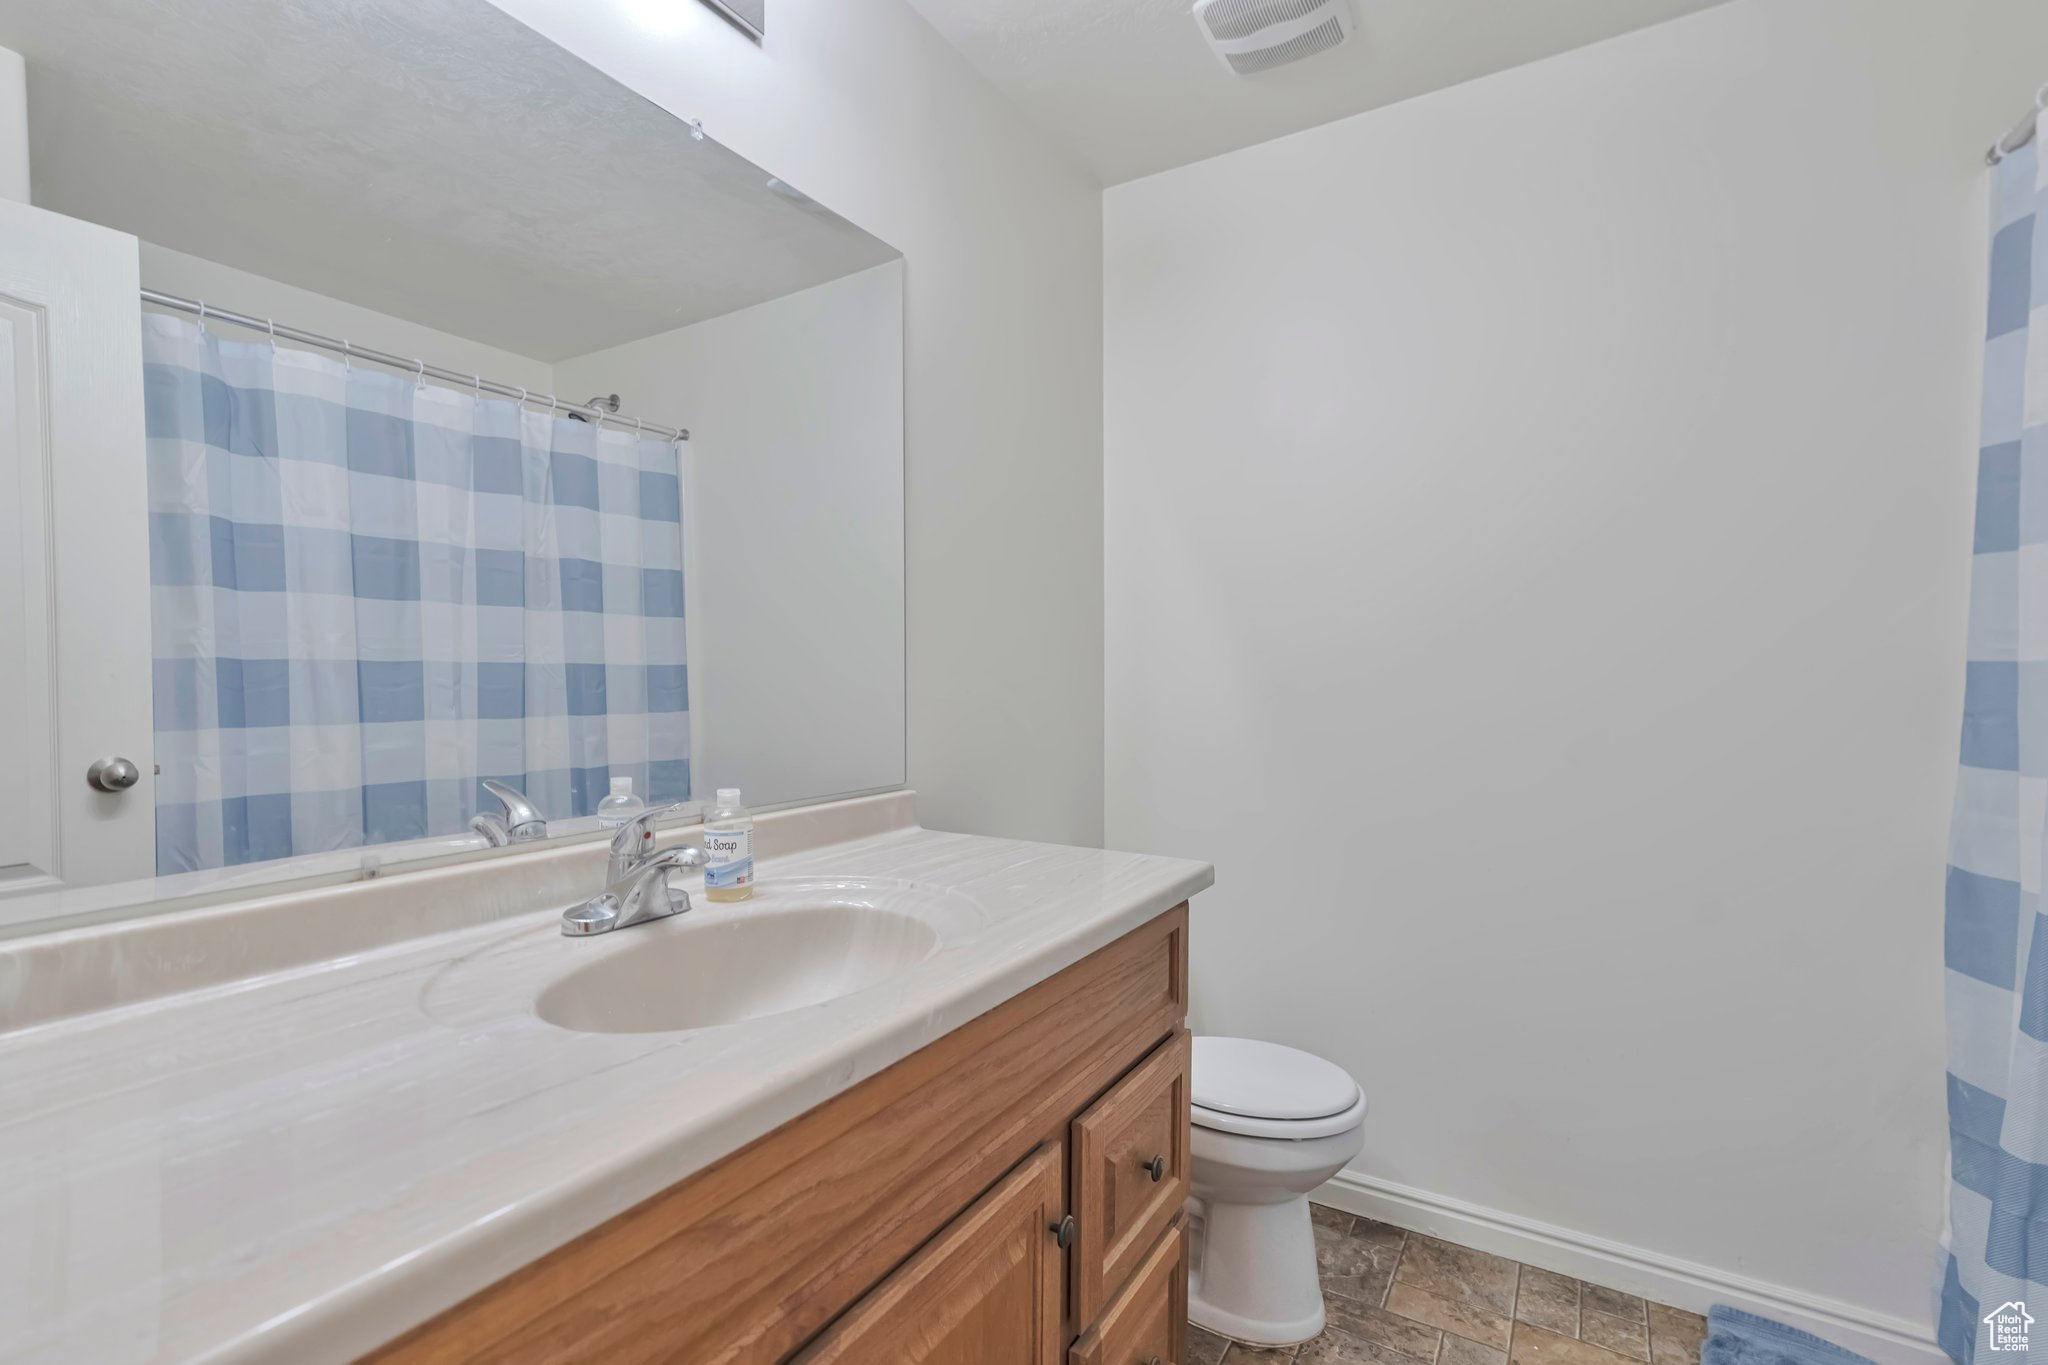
1265,1090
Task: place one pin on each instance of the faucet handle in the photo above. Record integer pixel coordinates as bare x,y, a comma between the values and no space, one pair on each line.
635,837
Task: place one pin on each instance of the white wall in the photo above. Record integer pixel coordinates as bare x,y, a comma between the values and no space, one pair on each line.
861,105
1539,523
239,291
794,515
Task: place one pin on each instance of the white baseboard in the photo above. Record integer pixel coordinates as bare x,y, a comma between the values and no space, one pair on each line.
1659,1278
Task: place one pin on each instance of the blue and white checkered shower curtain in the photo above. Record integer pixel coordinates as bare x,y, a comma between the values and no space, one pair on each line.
368,594
1996,934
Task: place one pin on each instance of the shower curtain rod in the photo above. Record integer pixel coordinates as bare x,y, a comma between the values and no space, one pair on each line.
419,368
2022,132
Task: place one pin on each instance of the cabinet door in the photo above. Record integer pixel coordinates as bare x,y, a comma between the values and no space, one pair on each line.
1147,1323
1130,1172
985,1291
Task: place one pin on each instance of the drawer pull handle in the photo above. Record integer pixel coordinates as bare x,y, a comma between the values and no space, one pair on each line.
1063,1231
1157,1167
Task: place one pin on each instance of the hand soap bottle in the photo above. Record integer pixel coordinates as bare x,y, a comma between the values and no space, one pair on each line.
615,810
729,842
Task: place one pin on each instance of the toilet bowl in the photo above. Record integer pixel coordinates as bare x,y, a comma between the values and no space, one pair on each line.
1271,1123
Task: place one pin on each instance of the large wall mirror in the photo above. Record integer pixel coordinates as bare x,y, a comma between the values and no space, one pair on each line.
396,412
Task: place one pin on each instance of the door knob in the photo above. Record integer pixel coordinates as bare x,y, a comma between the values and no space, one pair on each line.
112,775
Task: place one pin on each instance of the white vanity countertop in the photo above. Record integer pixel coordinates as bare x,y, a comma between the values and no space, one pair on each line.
300,1166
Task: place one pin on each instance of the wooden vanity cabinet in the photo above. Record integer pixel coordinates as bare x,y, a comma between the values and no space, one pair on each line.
919,1218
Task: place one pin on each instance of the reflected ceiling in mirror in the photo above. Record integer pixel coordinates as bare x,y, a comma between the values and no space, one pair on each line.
436,160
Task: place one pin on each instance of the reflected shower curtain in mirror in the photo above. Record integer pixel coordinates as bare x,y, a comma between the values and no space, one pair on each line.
368,594
1995,1251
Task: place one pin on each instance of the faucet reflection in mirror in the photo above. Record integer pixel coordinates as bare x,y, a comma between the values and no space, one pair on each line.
522,822
371,594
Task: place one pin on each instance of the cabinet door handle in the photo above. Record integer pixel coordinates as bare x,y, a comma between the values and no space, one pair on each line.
1157,1168
1063,1231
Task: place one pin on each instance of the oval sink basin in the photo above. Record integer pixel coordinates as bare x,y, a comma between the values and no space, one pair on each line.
676,974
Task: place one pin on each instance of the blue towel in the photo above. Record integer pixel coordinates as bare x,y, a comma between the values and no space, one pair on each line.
1738,1338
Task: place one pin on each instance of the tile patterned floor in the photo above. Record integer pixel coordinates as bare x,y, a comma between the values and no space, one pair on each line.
1399,1298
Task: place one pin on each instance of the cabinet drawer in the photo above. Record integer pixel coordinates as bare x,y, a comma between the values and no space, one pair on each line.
1146,1324
985,1290
1130,1173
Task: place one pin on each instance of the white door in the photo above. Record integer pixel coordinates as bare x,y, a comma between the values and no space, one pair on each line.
74,556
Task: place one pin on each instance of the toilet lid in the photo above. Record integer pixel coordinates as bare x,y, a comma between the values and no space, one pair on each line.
1295,1130
1268,1081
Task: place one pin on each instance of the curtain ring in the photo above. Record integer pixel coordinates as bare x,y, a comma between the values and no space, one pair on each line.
273,335
476,383
522,396
348,356
637,426
202,317
419,373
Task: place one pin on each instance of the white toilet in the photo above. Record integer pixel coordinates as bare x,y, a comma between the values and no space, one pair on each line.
1271,1123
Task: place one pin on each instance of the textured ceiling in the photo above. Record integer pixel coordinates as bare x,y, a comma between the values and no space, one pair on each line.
432,159
1130,87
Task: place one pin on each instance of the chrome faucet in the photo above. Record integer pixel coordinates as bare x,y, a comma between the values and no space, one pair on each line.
636,880
522,822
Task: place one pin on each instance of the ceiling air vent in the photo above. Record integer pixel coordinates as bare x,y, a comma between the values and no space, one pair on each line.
1258,35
